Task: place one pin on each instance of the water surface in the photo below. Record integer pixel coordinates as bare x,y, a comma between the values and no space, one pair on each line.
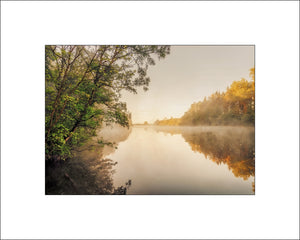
186,160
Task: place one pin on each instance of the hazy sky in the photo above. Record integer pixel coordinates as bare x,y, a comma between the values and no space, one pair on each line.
185,76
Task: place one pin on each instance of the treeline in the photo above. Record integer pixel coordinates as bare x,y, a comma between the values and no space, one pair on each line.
233,107
170,121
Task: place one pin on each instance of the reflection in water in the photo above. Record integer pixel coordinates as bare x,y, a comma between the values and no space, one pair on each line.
229,145
159,160
88,172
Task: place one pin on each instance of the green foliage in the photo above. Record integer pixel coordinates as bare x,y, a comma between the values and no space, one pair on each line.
83,90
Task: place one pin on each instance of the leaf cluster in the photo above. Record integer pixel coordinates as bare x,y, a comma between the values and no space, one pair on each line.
83,89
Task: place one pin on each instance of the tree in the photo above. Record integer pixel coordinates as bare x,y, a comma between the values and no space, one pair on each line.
168,122
235,106
83,89
240,95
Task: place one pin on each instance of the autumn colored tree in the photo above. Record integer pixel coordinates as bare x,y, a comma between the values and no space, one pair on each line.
233,107
165,122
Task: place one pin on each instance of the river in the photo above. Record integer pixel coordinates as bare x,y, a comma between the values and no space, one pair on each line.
186,160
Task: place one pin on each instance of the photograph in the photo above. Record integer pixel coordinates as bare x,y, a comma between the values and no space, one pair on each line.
150,119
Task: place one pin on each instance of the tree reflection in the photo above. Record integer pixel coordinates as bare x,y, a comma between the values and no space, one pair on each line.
80,177
88,172
233,146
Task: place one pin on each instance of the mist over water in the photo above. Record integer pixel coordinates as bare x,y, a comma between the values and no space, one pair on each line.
186,160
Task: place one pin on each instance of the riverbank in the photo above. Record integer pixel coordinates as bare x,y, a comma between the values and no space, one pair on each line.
87,172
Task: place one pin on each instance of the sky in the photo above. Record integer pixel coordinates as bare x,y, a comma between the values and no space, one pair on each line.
187,75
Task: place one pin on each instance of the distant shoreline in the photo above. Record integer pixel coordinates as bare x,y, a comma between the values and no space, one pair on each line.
153,125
